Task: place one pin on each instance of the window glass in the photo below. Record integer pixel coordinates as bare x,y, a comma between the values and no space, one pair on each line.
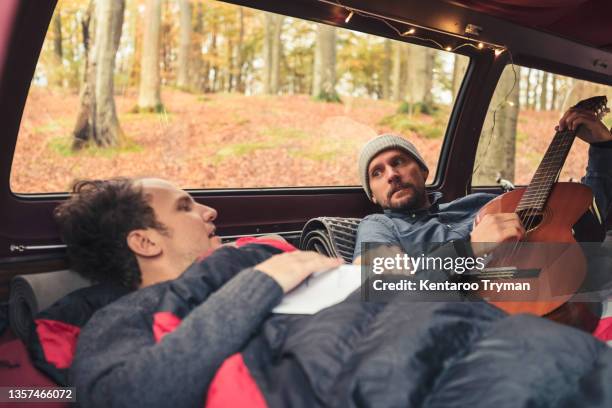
520,125
213,95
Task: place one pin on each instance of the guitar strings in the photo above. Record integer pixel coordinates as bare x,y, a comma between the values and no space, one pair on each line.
528,216
542,189
562,147
555,151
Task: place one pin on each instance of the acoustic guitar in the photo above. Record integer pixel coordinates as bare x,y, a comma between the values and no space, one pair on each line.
548,210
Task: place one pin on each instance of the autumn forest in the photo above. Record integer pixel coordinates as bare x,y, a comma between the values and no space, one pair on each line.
213,95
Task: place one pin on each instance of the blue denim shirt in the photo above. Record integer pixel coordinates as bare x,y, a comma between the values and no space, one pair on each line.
413,231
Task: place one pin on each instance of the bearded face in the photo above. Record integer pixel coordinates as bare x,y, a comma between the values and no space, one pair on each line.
397,181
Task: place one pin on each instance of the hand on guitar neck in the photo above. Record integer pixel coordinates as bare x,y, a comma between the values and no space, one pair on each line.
496,228
592,130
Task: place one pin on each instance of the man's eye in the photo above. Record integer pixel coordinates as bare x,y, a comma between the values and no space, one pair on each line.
185,207
375,173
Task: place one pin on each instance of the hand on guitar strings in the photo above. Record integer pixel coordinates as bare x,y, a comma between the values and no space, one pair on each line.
592,130
495,229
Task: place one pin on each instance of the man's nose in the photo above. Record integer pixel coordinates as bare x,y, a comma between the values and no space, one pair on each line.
209,214
392,174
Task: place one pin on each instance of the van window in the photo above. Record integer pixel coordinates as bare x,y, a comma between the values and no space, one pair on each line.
520,125
216,96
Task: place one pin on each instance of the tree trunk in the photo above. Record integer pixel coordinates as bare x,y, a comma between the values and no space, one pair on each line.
272,52
386,74
418,81
553,99
197,70
108,34
324,73
397,89
537,94
496,156
430,61
528,101
149,94
229,67
240,52
58,54
97,118
544,92
182,80
135,35
84,126
211,68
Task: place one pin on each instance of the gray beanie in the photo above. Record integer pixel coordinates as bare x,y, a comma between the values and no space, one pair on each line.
380,144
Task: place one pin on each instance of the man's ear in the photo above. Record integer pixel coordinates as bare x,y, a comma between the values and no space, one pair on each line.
425,173
142,243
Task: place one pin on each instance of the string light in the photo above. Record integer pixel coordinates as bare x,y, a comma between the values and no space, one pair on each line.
348,18
476,45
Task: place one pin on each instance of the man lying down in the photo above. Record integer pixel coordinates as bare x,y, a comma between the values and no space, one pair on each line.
200,333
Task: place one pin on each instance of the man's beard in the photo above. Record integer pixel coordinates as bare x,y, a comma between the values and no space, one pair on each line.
414,203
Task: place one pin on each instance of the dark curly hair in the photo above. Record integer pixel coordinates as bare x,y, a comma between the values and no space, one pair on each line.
95,222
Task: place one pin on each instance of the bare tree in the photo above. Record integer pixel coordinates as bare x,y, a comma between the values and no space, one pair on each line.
149,93
97,117
197,69
272,52
324,74
58,54
386,74
212,68
182,79
397,88
428,76
419,81
239,51
528,99
544,92
496,150
553,99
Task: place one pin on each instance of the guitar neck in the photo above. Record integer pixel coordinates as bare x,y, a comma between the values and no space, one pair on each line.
548,171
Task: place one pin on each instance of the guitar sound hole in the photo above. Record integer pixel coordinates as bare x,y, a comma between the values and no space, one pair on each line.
530,218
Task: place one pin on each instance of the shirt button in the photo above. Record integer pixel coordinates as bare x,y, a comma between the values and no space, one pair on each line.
413,215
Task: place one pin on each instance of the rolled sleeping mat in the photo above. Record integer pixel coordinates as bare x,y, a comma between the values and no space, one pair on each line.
331,236
30,294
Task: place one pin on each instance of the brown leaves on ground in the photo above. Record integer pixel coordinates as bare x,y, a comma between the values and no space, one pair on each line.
232,141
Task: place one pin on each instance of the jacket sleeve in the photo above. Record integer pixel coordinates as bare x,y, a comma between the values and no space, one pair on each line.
599,175
119,364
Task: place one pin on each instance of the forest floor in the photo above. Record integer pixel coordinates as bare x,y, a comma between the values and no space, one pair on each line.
233,141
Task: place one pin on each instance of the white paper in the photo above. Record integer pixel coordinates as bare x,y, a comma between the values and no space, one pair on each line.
321,290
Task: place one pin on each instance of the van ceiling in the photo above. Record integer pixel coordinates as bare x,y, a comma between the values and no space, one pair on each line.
585,21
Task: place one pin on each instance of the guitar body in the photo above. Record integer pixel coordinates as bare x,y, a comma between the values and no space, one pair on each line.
561,263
